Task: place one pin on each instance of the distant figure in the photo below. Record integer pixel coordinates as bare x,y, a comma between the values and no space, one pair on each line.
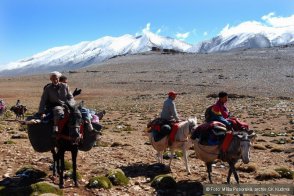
17,103
2,106
19,110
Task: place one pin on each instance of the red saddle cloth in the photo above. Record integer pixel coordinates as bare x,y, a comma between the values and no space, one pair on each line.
237,124
174,130
227,141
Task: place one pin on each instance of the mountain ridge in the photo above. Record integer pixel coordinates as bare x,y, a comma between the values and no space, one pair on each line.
65,58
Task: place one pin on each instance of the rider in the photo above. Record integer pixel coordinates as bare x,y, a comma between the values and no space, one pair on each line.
17,103
219,112
169,111
63,79
54,98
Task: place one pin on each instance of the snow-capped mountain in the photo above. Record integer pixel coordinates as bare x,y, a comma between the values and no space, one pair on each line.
246,35
67,58
86,53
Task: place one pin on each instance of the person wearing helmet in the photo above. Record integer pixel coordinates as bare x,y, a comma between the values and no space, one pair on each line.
54,97
169,111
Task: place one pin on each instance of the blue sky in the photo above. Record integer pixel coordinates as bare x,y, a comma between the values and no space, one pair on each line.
31,26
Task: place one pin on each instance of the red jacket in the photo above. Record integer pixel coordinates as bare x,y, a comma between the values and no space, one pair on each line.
220,109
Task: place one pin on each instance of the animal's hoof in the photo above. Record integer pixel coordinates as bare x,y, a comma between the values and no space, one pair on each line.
61,186
189,173
76,184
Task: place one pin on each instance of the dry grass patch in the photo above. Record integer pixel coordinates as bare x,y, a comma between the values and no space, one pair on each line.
271,134
289,150
259,147
268,146
277,149
102,144
248,168
267,174
9,142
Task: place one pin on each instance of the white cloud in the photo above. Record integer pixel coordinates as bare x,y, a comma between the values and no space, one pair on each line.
270,23
182,36
205,33
148,29
278,21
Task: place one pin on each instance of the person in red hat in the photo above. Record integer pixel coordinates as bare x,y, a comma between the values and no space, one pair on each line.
169,114
169,111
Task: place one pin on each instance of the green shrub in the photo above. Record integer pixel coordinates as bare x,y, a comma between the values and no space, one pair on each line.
285,172
99,182
69,174
117,177
45,187
271,134
67,165
34,189
163,182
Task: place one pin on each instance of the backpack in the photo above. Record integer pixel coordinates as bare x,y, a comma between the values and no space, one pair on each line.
207,113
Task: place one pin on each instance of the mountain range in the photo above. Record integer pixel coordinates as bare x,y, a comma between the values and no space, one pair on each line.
83,54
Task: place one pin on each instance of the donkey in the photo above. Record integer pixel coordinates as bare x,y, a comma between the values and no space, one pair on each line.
181,142
68,140
19,111
239,148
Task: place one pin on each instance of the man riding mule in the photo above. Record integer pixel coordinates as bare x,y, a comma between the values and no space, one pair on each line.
181,141
219,112
54,98
167,132
168,123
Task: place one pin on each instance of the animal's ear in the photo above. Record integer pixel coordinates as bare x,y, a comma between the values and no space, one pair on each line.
252,136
